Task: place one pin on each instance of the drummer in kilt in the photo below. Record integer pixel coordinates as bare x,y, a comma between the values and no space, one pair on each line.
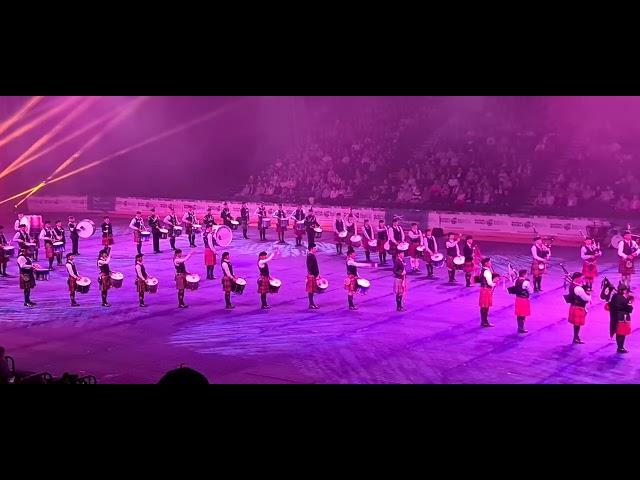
181,275
244,219
47,235
351,226
107,232
141,279
313,275
367,236
280,229
265,277
338,228
104,278
453,250
298,216
310,222
430,248
228,279
468,252
27,276
72,271
383,237
415,240
170,221
4,259
399,280
351,281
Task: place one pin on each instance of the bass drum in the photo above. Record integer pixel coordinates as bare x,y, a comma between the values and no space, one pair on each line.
615,241
222,234
86,228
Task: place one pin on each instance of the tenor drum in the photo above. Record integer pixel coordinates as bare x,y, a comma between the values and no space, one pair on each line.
222,235
234,224
177,230
116,279
164,233
299,226
9,251
356,241
42,273
615,241
322,285
458,261
151,285
284,222
193,281
266,223
86,228
373,243
83,284
403,246
363,285
196,228
239,286
343,234
318,231
420,251
31,247
274,285
438,260
58,247
145,236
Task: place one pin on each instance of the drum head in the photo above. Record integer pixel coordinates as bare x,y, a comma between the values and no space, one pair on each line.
323,283
275,282
420,248
241,281
163,230
615,241
177,227
402,246
193,278
83,281
317,229
151,281
356,238
8,248
117,275
58,244
86,228
235,222
436,257
458,260
363,282
223,235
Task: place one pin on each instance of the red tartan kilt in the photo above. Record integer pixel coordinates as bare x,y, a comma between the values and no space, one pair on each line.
412,252
450,264
337,239
577,315
227,284
468,267
589,270
209,257
141,286
105,281
523,307
623,328
486,297
181,281
365,244
624,270
137,236
351,284
393,248
381,246
299,232
106,241
310,284
427,257
188,230
27,281
535,271
263,284
280,229
48,250
72,284
399,286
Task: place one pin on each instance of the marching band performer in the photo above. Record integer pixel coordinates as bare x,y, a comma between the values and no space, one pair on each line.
22,220
280,228
589,255
351,226
620,308
313,275
73,233
72,271
578,298
298,216
261,212
522,290
27,277
22,237
209,252
488,280
244,219
628,250
208,219
154,224
189,219
310,222
367,236
228,279
467,251
453,250
107,232
383,237
265,277
415,240
4,259
181,275
104,257
430,248
170,221
351,282
141,278
225,214
58,231
399,280
541,254
48,237
397,236
338,228
137,225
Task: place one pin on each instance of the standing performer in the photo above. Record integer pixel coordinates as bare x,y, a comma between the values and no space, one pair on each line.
73,233
620,308
628,250
298,216
383,239
181,275
228,279
225,214
338,228
265,278
397,236
467,251
190,219
453,250
522,290
48,237
72,271
154,224
171,221
244,219
141,278
4,259
541,254
415,240
400,280
209,252
22,237
107,232
589,253
351,226
104,280
208,219
430,248
351,282
58,231
22,220
27,277
487,283
261,212
313,275
310,223
367,236
137,225
578,298
280,229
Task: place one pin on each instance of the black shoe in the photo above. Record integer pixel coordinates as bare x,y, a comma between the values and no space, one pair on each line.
106,304
353,308
142,305
27,304
75,304
623,350
487,325
577,341
183,306
523,331
401,309
266,307
229,307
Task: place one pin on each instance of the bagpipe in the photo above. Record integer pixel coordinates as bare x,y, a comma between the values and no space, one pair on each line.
568,281
513,276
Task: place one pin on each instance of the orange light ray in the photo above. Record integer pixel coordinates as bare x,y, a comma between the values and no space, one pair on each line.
32,102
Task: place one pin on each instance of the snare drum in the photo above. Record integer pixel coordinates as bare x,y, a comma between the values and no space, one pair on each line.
373,243
266,223
356,241
284,222
420,251
151,285
9,251
164,233
58,247
31,247
176,230
322,285
362,285
116,279
192,281
318,231
222,235
403,246
458,261
299,227
239,286
274,285
438,260
342,234
145,236
234,224
83,284
86,228
42,273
